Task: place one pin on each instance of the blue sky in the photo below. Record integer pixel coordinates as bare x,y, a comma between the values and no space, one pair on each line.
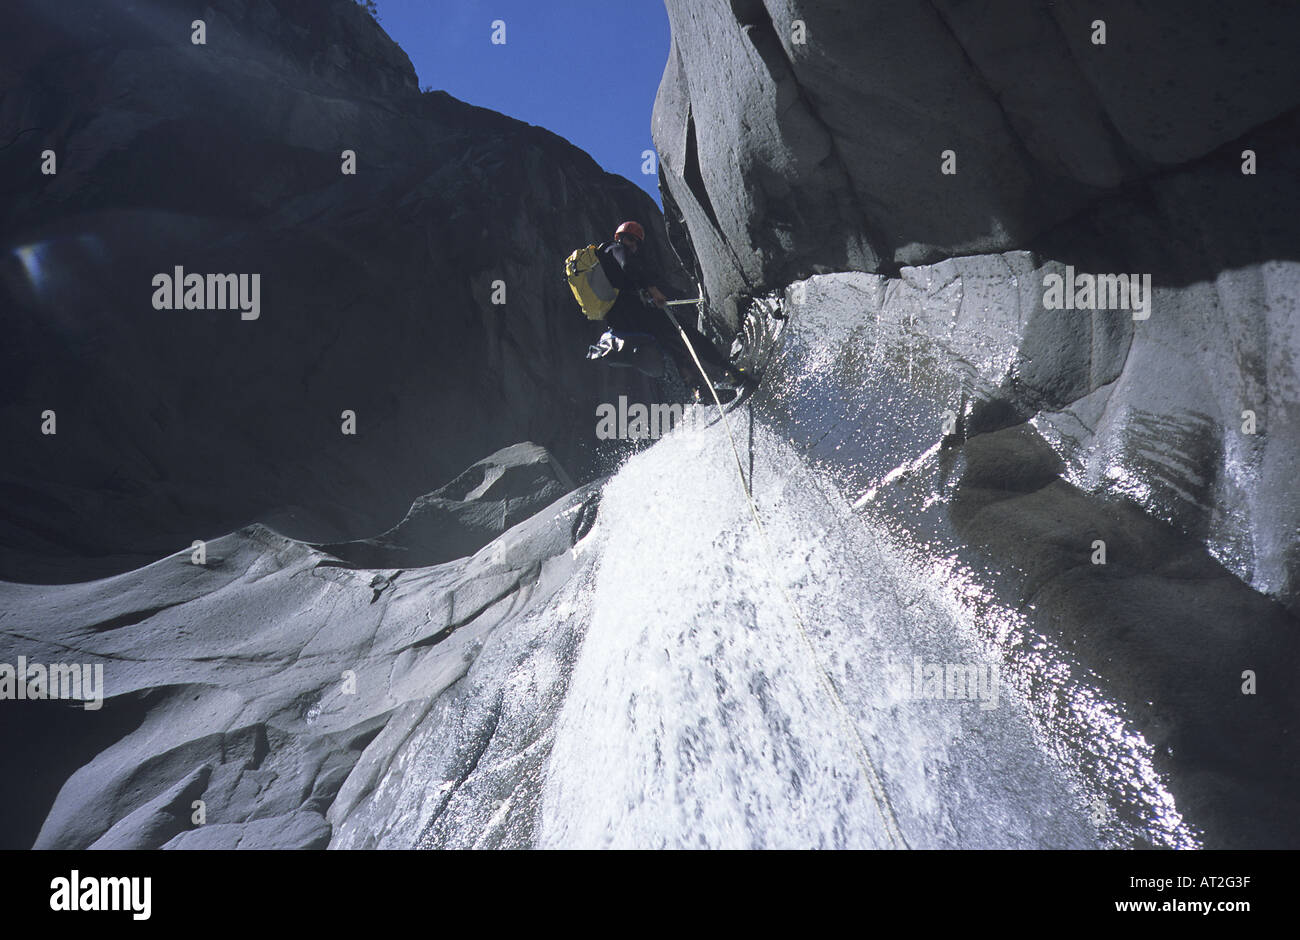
586,70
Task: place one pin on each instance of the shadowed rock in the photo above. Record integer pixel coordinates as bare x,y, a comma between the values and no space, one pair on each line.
272,683
463,516
376,289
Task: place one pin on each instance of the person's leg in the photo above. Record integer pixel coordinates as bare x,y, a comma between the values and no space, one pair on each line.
716,366
704,348
640,346
629,315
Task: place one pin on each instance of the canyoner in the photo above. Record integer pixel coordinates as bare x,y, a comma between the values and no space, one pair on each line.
613,286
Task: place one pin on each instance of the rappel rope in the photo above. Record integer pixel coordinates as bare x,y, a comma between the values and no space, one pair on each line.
874,781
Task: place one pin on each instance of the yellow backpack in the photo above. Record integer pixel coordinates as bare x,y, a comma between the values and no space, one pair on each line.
588,282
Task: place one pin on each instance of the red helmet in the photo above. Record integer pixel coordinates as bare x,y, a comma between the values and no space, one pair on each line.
631,228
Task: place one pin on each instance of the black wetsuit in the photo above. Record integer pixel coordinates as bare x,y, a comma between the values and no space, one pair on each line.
627,272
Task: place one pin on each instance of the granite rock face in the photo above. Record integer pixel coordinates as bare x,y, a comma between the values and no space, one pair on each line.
799,138
274,683
460,518
1138,142
916,359
937,453
376,289
1009,442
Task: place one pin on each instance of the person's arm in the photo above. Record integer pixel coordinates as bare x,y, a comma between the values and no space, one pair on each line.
644,279
636,274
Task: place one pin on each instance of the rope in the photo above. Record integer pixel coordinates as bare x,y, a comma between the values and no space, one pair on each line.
878,793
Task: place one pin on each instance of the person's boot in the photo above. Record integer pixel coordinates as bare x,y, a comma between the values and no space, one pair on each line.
745,382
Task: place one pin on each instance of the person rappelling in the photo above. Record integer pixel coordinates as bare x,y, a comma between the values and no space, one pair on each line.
612,284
